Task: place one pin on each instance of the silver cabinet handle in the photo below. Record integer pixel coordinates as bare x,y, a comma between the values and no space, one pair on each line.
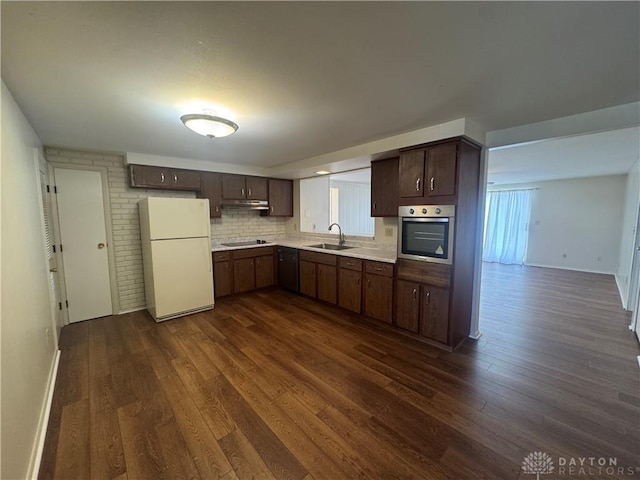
358,280
242,191
433,181
368,283
175,178
271,208
161,177
428,298
217,208
248,192
374,205
418,185
414,293
378,269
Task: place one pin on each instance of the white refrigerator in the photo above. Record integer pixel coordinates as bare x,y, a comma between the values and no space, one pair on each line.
176,253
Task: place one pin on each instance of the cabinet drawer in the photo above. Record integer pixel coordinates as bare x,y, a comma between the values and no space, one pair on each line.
323,258
379,268
424,272
252,252
351,263
221,256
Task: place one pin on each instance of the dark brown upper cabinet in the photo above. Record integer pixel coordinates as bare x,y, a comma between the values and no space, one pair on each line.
241,187
212,189
280,198
146,176
411,174
384,188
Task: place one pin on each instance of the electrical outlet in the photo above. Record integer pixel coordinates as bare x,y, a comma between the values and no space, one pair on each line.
388,231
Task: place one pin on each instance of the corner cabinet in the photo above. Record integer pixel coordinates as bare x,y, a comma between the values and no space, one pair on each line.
280,198
243,270
145,176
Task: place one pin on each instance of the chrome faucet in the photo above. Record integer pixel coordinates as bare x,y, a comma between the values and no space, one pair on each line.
341,236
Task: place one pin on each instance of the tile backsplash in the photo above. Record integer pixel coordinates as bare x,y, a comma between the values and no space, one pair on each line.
244,225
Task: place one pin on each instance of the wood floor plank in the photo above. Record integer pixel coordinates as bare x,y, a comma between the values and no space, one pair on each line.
207,454
245,460
270,384
73,458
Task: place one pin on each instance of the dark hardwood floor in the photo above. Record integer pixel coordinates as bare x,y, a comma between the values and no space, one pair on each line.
272,385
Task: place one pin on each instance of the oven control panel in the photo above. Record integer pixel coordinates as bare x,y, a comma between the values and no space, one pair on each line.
427,211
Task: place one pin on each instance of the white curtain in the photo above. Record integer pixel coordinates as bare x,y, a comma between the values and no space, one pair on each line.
507,226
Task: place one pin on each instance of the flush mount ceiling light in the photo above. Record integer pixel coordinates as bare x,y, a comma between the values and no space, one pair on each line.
209,125
323,172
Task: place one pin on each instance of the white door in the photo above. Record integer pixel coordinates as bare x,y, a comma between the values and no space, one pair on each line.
178,218
84,243
182,276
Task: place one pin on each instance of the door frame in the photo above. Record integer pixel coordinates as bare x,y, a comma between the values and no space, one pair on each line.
106,204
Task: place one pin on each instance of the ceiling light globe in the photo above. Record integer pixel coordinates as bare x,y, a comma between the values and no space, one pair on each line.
209,125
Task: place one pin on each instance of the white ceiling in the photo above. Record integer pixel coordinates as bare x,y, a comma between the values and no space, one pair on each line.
604,153
303,79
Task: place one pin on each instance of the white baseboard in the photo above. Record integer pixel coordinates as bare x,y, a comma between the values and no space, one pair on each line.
623,297
123,312
476,335
36,456
559,267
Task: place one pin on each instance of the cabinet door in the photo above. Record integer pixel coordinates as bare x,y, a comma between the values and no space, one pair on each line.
265,272
244,276
212,189
222,280
308,278
441,169
378,297
233,187
150,177
256,188
186,180
411,174
434,322
384,188
408,305
327,283
350,290
280,198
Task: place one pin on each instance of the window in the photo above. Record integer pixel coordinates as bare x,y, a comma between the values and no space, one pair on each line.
343,198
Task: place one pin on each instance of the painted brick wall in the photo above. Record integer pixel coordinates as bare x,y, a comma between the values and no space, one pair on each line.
125,223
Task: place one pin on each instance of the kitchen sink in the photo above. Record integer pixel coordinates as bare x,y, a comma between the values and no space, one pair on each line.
329,246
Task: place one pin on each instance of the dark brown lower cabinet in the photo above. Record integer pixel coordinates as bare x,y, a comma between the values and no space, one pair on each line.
318,276
222,279
244,275
434,321
327,283
378,297
308,278
408,305
265,271
350,290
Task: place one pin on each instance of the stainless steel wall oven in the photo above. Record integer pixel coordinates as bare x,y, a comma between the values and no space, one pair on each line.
425,232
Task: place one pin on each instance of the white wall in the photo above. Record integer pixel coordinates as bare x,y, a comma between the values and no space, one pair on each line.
314,205
628,232
27,354
576,223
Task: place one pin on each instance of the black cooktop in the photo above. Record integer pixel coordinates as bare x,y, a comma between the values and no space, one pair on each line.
244,244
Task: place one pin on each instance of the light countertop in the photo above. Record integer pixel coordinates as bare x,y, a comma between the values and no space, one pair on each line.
365,253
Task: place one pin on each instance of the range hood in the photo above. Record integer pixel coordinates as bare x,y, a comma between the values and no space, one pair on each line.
245,204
